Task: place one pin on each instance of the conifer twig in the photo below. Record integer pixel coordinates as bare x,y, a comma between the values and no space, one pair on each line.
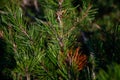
85,13
3,12
59,14
1,34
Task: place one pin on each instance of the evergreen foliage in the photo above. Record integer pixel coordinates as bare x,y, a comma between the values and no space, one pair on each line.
59,40
112,73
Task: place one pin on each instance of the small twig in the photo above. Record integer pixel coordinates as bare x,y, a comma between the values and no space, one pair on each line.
24,31
85,13
59,17
14,47
59,14
95,25
1,34
3,12
71,29
93,75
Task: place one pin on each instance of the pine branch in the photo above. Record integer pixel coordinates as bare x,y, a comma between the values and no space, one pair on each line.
86,13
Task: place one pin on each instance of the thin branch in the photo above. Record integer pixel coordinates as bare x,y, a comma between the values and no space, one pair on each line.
3,12
1,34
25,33
71,29
85,13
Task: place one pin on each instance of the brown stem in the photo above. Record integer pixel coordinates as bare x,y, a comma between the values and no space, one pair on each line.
27,74
59,14
93,75
85,13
